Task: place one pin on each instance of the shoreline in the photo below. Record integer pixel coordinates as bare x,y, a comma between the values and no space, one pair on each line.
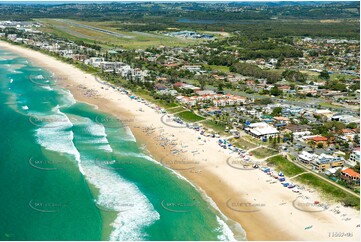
211,174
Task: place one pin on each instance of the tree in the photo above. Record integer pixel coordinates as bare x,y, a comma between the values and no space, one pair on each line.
276,111
320,145
275,91
264,101
324,75
356,139
202,81
351,126
274,144
291,138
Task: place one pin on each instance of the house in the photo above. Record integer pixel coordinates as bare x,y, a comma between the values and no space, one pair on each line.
318,139
284,88
348,134
178,84
195,68
281,120
345,118
94,61
307,89
250,83
350,176
220,102
297,128
327,114
160,87
306,157
354,157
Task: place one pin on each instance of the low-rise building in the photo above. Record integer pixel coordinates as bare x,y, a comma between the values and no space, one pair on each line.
261,130
324,162
354,157
350,176
307,157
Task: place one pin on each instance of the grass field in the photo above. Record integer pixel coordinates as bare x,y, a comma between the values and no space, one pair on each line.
287,167
329,105
161,103
327,189
216,127
244,144
188,116
175,110
74,30
218,68
263,152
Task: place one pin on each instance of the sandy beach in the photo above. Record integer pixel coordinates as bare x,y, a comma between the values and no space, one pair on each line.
266,210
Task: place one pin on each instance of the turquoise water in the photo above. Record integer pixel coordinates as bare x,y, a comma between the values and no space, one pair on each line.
71,172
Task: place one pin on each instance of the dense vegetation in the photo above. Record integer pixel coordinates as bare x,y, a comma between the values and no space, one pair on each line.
257,19
253,70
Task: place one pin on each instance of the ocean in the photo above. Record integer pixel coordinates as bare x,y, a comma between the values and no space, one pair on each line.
71,172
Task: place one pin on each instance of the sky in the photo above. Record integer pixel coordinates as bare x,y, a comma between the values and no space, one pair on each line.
169,0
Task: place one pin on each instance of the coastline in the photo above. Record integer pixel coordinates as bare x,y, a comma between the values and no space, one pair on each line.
219,181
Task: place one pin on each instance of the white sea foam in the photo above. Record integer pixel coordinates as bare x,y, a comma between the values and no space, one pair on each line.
47,88
134,210
97,133
66,99
57,136
129,135
226,232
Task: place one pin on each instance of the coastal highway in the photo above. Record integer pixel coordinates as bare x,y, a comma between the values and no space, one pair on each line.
104,31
